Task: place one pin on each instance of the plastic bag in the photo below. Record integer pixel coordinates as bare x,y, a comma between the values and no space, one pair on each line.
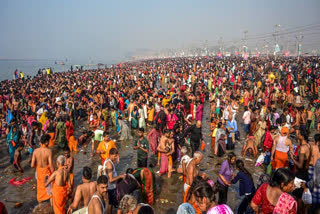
203,145
260,159
307,197
269,169
297,182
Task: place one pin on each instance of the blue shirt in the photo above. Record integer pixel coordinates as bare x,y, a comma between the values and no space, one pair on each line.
232,124
246,185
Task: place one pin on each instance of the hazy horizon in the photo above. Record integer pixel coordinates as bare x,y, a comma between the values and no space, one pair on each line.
116,30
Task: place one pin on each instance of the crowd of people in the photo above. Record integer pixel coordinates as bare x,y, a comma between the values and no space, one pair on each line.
273,103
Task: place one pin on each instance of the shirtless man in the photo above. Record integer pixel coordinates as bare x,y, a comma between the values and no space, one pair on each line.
130,108
310,117
301,163
315,153
303,121
60,189
298,101
97,204
84,191
42,161
296,125
192,169
290,98
69,163
317,116
250,147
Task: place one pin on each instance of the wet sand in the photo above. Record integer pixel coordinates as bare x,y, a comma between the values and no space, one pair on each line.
169,191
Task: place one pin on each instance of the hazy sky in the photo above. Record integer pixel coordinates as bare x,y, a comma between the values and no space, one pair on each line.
106,30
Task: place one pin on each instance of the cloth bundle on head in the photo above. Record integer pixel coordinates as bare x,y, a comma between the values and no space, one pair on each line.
186,208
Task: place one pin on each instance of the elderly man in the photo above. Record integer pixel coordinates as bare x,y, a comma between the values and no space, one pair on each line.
192,170
61,182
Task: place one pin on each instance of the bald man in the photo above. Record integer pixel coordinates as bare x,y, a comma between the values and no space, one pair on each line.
192,170
61,182
196,136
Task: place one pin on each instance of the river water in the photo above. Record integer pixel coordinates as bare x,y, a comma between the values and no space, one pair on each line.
169,191
31,67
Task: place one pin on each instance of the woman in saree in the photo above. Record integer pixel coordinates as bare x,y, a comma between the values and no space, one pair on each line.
43,119
70,129
134,118
117,115
142,121
124,132
50,129
12,140
273,197
147,180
